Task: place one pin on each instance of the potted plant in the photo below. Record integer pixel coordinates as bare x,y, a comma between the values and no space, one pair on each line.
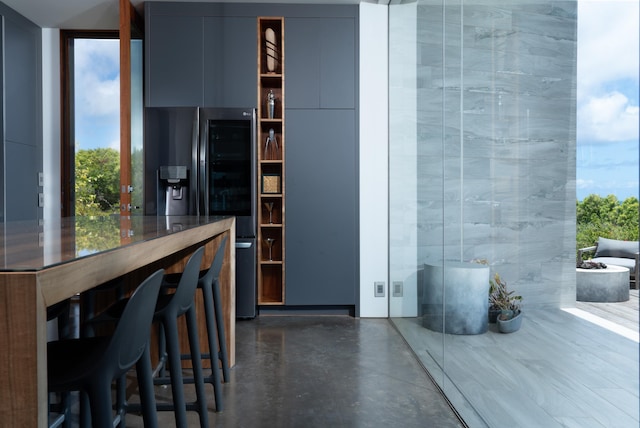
494,310
500,298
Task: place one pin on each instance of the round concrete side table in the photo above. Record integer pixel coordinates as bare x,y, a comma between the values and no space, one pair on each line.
464,289
602,285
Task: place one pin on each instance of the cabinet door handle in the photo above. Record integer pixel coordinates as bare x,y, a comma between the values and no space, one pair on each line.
243,244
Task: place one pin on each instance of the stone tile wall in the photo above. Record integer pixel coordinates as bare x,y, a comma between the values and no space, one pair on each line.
496,144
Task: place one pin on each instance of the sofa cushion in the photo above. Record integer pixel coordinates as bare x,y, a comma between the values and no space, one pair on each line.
616,248
616,261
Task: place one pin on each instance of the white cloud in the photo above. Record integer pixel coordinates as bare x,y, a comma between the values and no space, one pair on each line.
608,118
585,184
608,43
98,79
608,64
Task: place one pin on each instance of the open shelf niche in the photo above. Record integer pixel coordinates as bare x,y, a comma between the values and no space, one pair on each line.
271,162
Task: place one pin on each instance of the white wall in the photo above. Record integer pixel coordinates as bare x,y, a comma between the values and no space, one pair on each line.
403,154
374,195
51,121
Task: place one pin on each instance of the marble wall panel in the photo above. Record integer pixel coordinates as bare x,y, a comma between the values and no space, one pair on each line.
496,141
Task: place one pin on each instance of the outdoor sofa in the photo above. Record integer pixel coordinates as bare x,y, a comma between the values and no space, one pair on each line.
618,253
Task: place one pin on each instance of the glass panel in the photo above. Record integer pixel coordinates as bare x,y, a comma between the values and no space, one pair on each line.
96,126
230,163
482,181
137,127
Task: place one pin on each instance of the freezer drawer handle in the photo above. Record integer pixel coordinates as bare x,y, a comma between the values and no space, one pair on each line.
243,244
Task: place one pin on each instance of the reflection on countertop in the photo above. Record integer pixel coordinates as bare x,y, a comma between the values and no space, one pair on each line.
37,244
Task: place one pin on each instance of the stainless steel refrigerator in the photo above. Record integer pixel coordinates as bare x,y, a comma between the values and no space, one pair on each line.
226,185
217,148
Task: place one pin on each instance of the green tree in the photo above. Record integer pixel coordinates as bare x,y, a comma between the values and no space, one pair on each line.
97,181
606,217
595,209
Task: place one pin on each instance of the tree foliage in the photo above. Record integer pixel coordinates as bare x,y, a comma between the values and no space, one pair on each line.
97,182
606,217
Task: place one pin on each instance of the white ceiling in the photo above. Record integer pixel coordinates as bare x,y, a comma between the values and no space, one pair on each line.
103,14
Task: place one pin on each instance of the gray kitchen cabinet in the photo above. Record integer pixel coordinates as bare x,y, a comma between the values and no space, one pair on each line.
200,60
230,62
321,59
174,70
322,207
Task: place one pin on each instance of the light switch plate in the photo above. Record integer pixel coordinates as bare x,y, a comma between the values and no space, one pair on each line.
397,288
378,288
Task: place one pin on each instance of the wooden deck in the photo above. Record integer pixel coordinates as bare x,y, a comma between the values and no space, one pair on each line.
626,314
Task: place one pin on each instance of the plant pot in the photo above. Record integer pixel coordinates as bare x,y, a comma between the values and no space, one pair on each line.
493,315
510,325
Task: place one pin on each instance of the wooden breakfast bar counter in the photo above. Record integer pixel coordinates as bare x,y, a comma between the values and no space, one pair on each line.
41,265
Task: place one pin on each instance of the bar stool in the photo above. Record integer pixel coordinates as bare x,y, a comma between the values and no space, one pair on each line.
169,308
90,365
209,283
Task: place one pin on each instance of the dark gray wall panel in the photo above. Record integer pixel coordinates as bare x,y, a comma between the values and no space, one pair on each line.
20,78
321,207
22,182
22,117
230,62
174,61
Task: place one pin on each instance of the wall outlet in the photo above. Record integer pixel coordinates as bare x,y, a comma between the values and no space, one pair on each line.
378,288
397,288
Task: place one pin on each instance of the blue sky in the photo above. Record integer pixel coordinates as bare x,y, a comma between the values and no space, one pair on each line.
97,96
607,97
607,93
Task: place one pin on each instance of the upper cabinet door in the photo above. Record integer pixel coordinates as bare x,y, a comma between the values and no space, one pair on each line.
230,62
174,61
321,63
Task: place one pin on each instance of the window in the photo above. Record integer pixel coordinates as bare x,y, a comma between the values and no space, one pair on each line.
91,123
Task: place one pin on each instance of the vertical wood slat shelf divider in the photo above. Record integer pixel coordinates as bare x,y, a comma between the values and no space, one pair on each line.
271,161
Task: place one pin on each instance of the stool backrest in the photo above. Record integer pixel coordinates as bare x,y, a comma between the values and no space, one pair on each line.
186,289
134,327
216,266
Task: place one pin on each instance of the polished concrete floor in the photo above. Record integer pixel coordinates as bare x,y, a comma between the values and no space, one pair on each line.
322,371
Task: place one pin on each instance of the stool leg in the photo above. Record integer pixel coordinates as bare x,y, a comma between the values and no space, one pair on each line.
222,340
145,385
121,399
85,410
196,361
175,369
209,312
65,402
100,398
162,351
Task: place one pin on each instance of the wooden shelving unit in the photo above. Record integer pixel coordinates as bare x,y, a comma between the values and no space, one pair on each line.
271,162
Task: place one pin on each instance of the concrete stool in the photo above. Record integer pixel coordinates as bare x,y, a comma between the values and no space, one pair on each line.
602,285
464,289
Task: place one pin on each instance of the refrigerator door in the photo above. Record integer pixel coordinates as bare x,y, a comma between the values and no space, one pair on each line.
246,278
228,166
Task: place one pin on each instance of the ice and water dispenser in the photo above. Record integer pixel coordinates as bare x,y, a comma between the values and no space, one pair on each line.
173,182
